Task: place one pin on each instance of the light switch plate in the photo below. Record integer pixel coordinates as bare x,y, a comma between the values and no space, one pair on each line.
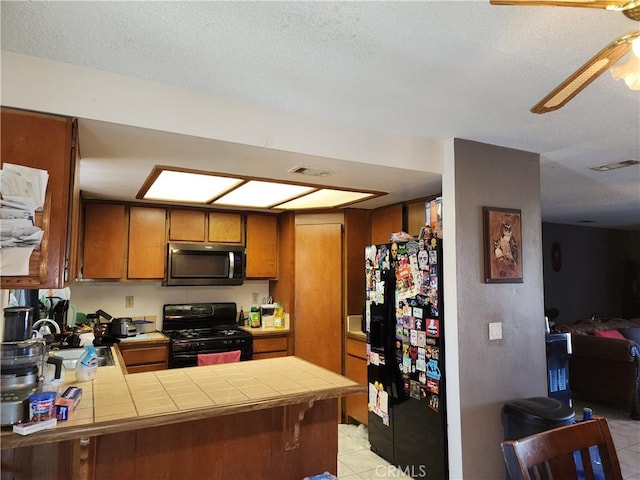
495,331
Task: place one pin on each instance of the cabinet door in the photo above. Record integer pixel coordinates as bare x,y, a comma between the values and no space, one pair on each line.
318,295
147,243
225,227
270,347
262,245
45,142
186,225
355,365
104,241
385,221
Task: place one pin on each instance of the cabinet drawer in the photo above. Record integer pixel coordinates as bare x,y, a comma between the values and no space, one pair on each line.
140,356
274,344
356,348
258,356
147,368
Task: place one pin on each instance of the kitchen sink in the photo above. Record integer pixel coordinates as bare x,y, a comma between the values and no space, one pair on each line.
70,356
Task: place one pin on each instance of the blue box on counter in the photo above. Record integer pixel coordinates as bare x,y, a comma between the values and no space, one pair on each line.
67,402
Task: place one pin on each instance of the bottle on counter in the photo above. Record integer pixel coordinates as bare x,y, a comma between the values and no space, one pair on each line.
254,317
241,318
278,316
87,365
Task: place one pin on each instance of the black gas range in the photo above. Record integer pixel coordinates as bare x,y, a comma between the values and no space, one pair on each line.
200,328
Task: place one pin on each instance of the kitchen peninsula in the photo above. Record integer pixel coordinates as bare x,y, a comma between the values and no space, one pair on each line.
260,419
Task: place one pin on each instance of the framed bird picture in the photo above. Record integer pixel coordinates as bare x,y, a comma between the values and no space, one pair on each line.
502,245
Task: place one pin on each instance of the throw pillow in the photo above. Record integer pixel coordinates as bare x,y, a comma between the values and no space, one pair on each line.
609,334
632,333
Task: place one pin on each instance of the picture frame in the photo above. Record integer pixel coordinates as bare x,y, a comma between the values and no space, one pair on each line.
502,245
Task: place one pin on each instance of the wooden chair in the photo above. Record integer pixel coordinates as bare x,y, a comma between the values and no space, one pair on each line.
550,454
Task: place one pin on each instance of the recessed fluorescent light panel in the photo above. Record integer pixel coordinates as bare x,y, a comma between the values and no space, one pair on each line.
614,165
188,187
260,194
324,198
170,184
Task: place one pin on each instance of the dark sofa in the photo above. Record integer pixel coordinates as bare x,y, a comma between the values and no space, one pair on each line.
603,369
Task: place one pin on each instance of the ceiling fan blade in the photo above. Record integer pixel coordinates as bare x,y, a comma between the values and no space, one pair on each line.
586,74
608,4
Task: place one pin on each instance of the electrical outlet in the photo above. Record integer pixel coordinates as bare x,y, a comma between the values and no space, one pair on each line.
128,301
255,298
495,331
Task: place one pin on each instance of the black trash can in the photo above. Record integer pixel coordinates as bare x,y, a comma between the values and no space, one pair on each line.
528,416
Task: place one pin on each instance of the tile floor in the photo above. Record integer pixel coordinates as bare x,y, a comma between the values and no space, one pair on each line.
357,462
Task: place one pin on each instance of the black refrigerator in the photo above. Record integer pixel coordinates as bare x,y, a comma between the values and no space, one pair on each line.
403,319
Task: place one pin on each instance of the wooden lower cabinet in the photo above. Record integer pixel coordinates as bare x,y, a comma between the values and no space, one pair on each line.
269,347
356,369
144,358
285,443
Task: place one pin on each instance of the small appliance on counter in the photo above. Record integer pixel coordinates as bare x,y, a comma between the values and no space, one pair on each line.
123,327
21,361
267,314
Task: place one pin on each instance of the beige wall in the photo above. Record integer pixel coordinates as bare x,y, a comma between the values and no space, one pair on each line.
591,278
489,373
482,375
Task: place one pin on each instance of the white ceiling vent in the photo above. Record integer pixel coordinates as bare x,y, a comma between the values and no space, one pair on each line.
312,171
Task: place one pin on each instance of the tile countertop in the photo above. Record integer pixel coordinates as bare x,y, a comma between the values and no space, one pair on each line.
265,331
115,402
146,337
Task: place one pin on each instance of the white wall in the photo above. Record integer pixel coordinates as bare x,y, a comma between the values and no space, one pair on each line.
55,87
149,298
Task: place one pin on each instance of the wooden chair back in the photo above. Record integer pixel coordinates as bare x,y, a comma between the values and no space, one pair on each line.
550,454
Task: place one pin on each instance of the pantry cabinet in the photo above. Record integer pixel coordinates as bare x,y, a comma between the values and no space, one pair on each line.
262,246
45,142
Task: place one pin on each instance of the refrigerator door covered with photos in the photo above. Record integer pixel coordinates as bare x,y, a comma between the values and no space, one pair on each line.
403,321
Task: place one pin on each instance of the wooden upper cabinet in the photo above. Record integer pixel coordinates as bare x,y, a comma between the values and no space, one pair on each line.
262,246
186,225
45,142
225,227
104,242
203,226
415,217
147,243
385,221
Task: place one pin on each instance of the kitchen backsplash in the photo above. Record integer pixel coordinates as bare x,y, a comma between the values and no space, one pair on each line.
149,298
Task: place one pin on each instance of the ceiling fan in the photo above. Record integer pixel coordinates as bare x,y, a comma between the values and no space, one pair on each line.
605,59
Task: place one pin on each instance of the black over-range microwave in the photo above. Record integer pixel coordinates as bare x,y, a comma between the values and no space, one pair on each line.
204,264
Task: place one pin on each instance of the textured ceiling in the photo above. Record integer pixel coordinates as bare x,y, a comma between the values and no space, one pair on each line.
428,69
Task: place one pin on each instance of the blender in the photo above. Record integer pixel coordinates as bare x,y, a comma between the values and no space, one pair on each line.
21,362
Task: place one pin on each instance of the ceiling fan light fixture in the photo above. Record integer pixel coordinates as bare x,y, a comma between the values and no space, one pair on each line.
629,72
